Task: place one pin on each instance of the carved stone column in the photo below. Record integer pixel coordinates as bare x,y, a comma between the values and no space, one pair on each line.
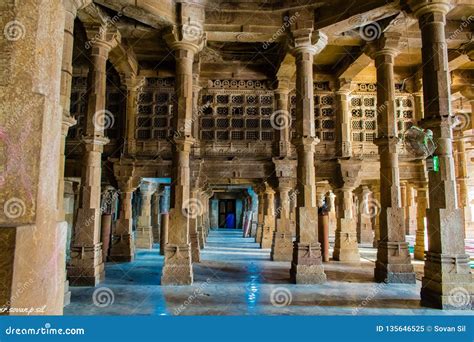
155,215
281,119
261,207
331,201
447,272
376,218
343,128
282,246
268,218
393,263
144,233
345,246
422,205
306,266
196,209
366,211
86,266
410,211
131,84
177,268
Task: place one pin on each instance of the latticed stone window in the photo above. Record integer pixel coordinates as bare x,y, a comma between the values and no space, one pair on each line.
155,104
114,99
405,113
324,112
236,110
363,107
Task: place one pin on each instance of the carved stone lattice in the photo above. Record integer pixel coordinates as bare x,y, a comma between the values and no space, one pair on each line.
155,104
233,110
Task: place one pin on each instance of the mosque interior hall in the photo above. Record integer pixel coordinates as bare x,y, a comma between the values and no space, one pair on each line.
237,157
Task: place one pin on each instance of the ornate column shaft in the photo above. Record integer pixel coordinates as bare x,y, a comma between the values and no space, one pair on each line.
155,215
422,204
132,84
306,266
343,129
282,117
261,209
86,266
178,269
410,211
282,246
366,212
393,263
345,247
196,209
447,273
268,218
144,233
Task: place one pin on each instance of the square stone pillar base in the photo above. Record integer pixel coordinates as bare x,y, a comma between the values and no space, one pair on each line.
178,268
306,266
282,247
393,263
447,283
195,248
86,267
123,248
346,248
144,238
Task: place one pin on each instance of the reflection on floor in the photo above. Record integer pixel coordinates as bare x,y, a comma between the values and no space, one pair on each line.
236,277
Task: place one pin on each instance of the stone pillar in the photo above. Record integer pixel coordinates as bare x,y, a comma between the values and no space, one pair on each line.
282,246
366,211
306,265
155,216
268,218
410,211
393,263
164,227
376,218
195,210
447,273
403,201
261,207
86,266
343,127
281,117
345,246
422,205
144,233
332,221
131,84
177,268
32,241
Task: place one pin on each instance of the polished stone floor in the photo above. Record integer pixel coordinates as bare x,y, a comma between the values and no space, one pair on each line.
236,277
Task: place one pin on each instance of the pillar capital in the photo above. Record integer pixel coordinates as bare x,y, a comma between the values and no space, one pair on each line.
184,143
307,41
67,122
306,142
147,188
422,7
386,45
282,85
189,37
131,81
103,38
97,140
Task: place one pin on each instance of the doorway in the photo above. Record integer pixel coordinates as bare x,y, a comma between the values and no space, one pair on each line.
227,217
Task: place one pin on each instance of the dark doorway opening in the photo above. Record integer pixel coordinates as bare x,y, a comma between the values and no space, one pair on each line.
227,217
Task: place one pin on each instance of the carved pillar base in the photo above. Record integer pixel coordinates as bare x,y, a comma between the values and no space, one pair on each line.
195,248
306,266
282,247
393,263
447,283
178,269
144,237
86,267
346,248
123,248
